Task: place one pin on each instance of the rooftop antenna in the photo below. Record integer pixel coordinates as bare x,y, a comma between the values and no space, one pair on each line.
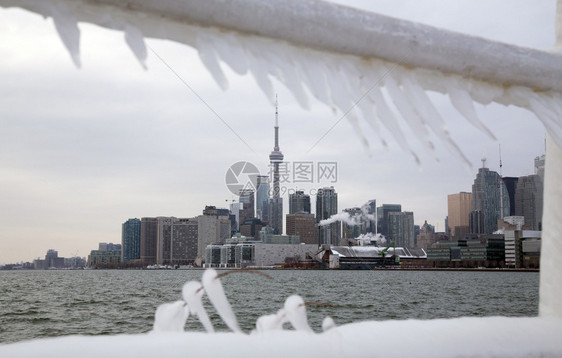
501,185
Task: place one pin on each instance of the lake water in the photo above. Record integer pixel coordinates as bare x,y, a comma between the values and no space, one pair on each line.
35,304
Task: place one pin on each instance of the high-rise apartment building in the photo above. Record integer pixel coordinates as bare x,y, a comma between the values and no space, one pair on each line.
130,240
213,227
149,236
401,228
326,206
459,208
177,241
299,202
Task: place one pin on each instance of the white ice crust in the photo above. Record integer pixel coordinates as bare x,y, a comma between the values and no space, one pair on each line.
459,337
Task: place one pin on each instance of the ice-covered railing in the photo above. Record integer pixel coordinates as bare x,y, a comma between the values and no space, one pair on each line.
370,66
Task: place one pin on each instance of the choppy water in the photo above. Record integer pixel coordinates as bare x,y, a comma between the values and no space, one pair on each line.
36,304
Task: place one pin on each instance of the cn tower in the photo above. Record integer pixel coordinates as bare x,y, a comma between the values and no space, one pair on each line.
276,202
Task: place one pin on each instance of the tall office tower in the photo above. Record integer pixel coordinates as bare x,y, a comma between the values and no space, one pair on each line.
382,216
302,225
235,210
401,228
326,206
476,222
529,200
149,236
130,240
371,207
459,208
262,196
299,202
247,201
511,186
486,197
276,202
213,228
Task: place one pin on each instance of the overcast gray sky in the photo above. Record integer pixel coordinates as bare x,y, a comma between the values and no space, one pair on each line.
83,150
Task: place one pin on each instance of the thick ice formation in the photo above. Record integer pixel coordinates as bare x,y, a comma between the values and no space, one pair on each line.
192,293
171,317
295,311
215,292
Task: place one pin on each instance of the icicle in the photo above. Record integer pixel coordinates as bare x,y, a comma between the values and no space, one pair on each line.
422,104
390,121
67,28
229,50
462,101
215,292
135,40
207,54
271,322
407,112
296,313
170,317
192,293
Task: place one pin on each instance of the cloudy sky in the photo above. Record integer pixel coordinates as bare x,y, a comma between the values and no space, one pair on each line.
83,150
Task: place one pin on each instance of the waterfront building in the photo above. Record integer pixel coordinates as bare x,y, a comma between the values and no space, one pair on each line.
213,227
130,240
401,228
529,200
259,254
326,206
459,207
149,236
104,258
382,217
177,241
302,225
299,202
275,210
486,198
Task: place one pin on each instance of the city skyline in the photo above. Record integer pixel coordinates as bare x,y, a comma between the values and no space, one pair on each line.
74,170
